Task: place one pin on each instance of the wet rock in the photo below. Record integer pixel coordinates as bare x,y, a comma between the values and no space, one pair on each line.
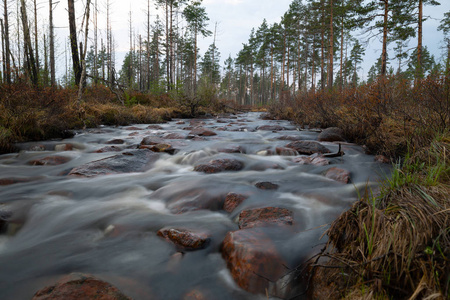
270,128
231,149
37,148
233,200
267,152
305,147
115,142
332,134
174,136
220,165
382,159
338,174
253,260
127,162
317,160
155,127
152,140
285,151
159,148
180,123
4,220
49,161
198,294
265,185
132,128
267,216
64,147
78,286
10,181
185,238
221,121
182,201
290,138
108,149
202,132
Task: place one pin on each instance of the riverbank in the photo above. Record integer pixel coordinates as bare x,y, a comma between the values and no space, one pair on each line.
28,114
393,244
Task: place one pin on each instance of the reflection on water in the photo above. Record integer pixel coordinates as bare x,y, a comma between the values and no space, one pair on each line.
106,225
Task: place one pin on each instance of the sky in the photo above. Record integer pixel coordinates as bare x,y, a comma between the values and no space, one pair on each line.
234,19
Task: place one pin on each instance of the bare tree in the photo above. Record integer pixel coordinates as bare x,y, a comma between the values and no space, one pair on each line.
52,46
30,60
5,35
73,42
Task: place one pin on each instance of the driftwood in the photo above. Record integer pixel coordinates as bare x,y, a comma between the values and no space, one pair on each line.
337,154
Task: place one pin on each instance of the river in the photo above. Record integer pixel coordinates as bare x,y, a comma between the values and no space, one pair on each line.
107,225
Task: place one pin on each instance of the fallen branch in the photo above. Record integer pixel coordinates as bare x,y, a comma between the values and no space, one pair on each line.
337,154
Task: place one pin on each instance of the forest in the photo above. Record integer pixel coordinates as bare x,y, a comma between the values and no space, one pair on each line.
306,68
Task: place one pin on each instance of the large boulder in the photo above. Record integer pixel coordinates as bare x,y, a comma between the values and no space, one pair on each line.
233,200
186,239
80,286
338,174
332,134
267,216
220,165
253,260
307,148
127,162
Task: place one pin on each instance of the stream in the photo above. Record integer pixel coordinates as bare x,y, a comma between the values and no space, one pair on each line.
106,223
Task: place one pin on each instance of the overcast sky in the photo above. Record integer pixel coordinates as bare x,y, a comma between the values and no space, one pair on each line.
234,18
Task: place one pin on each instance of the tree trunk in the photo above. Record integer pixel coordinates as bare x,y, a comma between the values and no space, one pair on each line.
342,54
6,38
73,42
30,60
36,45
52,47
331,49
81,83
322,47
419,71
385,33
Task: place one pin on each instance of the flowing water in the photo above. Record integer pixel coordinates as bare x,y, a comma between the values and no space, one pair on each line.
61,224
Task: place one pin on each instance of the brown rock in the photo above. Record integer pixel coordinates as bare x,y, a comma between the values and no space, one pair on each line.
253,260
308,148
155,127
133,128
185,238
49,161
9,181
202,132
332,134
317,160
267,216
80,286
108,149
290,138
266,185
233,200
180,122
127,162
115,142
152,140
285,151
159,148
270,127
199,294
232,149
64,147
338,174
220,165
192,200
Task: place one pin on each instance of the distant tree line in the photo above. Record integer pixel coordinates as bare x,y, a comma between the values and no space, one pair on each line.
312,48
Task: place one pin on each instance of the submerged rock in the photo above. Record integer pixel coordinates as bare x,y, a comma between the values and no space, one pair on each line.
185,238
317,160
267,216
115,142
285,151
108,149
253,260
233,200
4,220
338,174
159,148
220,165
127,162
266,185
54,160
308,148
78,286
